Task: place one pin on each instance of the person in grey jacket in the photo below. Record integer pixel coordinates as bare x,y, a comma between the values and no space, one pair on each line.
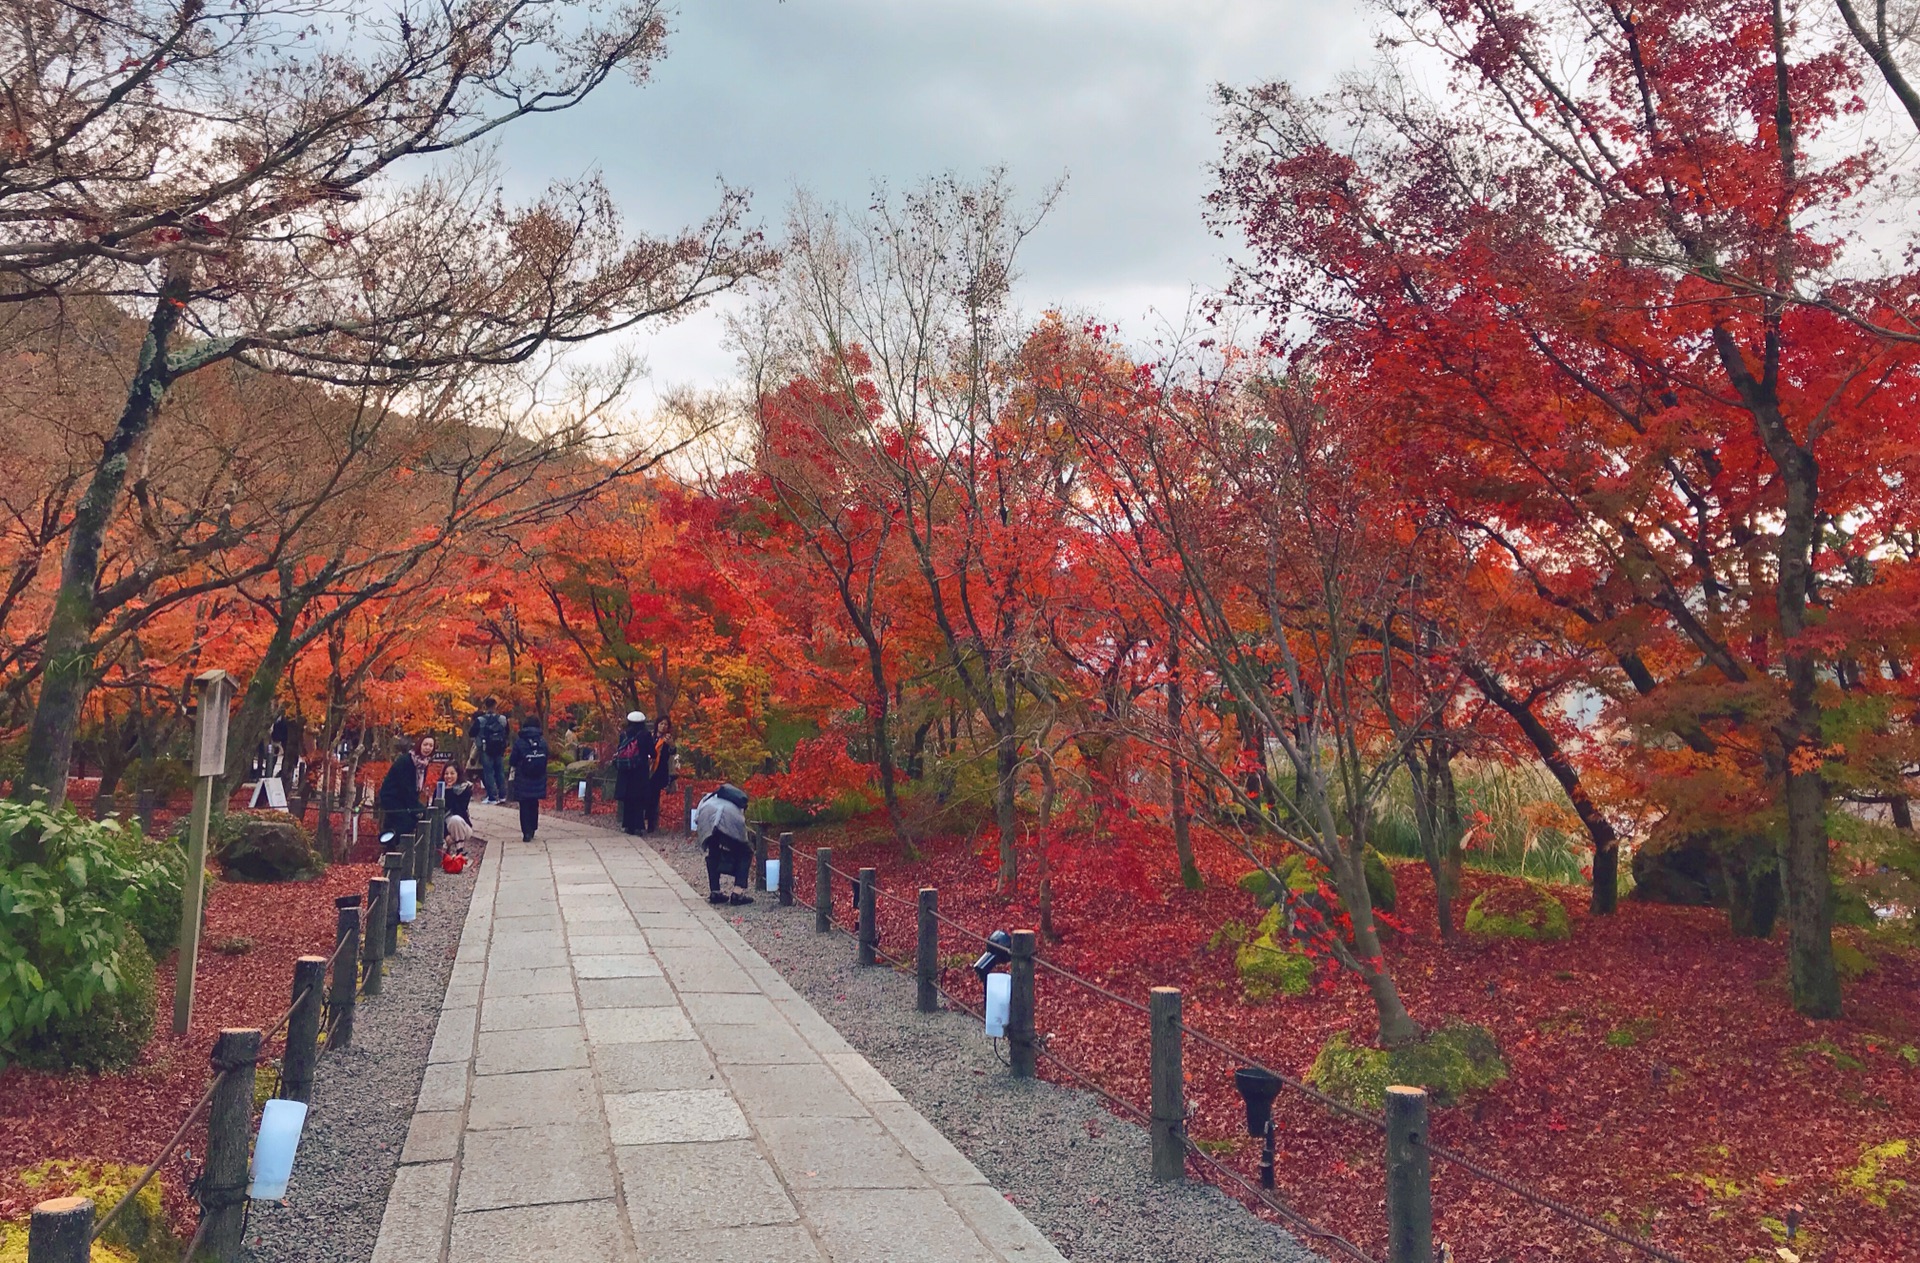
720,826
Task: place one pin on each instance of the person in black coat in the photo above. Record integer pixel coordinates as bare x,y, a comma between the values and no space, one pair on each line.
632,771
529,767
399,799
661,775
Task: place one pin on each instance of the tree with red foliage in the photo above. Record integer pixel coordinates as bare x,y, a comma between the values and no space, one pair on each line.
1576,285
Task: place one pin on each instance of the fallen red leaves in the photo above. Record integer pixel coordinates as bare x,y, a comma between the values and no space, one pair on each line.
128,1117
1660,1078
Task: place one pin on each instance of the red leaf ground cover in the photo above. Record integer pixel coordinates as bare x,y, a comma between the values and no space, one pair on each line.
1660,1078
128,1117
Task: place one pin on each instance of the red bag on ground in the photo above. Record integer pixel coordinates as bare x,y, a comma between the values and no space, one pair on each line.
453,863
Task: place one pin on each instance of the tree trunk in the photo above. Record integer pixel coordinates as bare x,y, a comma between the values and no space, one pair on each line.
1606,843
1003,806
68,652
1045,863
1753,888
1438,845
1177,772
883,739
1397,1026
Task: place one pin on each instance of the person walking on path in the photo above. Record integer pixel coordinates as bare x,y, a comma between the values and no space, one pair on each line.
661,774
632,771
399,800
488,732
529,774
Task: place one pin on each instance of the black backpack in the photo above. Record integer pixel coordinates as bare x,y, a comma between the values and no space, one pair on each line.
531,765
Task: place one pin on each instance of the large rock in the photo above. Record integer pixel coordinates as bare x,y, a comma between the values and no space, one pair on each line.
1519,910
1690,873
269,849
1452,1064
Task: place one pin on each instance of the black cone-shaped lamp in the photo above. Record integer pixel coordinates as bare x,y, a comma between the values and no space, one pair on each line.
1257,1088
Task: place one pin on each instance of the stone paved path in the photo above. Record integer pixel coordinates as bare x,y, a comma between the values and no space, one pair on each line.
618,1076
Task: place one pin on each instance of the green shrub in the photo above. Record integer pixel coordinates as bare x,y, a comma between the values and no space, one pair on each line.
109,1033
1451,1063
1529,912
75,977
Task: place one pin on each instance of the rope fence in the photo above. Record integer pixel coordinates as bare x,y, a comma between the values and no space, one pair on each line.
1409,1147
319,1019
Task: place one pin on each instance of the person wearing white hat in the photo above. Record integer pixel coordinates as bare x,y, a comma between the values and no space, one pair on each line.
632,771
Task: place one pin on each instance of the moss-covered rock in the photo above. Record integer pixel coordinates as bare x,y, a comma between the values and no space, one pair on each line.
109,1033
139,1234
1298,874
1529,911
269,849
1451,1063
1270,964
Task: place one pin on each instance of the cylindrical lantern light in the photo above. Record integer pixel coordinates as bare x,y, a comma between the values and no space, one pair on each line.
999,999
408,899
280,1126
773,874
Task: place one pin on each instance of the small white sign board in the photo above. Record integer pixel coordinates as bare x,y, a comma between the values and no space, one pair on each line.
271,792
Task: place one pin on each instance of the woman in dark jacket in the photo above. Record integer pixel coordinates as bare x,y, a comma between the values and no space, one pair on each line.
399,800
632,770
529,766
661,774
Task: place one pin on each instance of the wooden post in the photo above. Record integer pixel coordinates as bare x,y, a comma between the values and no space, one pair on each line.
346,970
61,1231
759,858
303,1028
686,811
395,864
145,810
223,1196
373,942
1409,1178
213,695
823,890
191,897
864,904
786,870
1169,1097
1020,1009
926,954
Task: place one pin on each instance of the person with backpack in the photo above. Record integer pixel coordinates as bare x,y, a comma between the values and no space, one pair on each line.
488,732
720,827
661,774
632,769
530,756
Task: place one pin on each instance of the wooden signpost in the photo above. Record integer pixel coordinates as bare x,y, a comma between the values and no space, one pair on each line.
214,690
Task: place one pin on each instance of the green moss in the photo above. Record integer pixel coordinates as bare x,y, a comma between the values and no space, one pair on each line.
1622,1037
1868,1176
1527,912
139,1234
1451,1063
1270,964
1297,872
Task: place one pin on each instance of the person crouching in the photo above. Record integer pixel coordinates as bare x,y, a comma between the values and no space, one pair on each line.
720,826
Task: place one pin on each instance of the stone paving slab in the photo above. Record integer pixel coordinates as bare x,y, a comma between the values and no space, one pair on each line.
617,1078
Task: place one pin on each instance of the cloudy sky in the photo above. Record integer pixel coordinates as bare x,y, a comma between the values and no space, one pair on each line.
834,95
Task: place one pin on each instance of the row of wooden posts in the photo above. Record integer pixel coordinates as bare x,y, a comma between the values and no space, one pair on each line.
62,1230
1408,1165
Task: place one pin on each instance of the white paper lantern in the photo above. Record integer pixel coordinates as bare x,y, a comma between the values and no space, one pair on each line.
773,874
999,1000
280,1125
408,899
